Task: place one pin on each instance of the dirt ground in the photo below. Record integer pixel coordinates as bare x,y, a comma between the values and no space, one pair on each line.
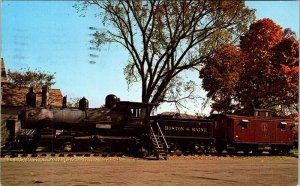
184,170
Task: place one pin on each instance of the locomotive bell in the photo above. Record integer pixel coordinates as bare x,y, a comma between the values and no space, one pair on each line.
83,104
111,101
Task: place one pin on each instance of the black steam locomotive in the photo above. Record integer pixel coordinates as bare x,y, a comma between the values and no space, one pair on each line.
118,126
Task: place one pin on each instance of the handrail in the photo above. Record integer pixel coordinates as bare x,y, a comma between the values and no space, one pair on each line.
162,135
153,135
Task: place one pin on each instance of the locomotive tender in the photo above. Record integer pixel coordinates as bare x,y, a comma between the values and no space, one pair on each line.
187,135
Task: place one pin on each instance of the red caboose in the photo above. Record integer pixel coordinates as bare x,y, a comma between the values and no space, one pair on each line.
257,133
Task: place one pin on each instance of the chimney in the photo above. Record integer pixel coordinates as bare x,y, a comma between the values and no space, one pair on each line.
45,96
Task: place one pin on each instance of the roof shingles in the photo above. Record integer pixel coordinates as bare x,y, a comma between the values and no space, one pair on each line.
15,96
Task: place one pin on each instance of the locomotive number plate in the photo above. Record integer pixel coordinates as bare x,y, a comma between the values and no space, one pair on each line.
103,126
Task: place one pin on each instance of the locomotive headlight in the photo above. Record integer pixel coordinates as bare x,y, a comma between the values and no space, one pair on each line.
236,136
31,114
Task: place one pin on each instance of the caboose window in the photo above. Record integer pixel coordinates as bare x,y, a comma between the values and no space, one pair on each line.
282,125
244,123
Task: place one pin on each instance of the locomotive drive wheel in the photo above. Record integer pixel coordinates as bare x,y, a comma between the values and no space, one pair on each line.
29,146
64,147
100,147
68,146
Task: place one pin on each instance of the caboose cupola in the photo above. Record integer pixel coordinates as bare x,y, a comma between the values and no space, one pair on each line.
262,113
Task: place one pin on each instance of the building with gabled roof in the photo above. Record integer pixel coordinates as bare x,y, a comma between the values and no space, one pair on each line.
13,99
15,96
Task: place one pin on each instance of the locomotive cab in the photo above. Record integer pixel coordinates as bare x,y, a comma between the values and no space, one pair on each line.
132,113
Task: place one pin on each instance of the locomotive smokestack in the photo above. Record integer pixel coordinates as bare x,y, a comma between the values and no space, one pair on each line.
31,98
45,96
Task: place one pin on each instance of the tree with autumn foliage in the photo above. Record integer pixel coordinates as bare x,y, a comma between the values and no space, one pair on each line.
261,73
166,38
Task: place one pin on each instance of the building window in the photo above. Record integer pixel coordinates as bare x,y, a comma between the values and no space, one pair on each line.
7,99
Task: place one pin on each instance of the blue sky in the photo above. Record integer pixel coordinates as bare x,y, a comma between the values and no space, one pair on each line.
51,36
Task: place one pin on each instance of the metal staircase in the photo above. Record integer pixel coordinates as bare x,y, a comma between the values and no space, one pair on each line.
159,143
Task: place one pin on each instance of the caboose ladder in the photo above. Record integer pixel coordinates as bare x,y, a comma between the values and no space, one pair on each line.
161,149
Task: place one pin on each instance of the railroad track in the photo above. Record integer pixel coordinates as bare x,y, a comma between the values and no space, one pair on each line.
114,154
63,154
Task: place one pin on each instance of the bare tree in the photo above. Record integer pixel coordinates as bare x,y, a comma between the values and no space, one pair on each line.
165,38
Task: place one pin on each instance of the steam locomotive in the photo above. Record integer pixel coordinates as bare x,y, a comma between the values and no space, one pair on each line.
118,126
127,127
